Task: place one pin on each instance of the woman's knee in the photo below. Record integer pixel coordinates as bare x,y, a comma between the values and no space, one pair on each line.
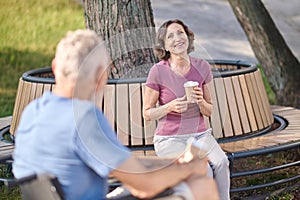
220,160
224,161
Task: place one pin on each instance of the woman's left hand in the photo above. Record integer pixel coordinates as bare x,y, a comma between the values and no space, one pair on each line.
197,95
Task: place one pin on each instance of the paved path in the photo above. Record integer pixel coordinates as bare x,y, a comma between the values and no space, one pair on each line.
218,33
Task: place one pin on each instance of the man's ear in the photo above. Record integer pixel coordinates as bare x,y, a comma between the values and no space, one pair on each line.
53,65
101,78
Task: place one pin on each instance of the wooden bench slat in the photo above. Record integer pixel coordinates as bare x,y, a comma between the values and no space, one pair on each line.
136,126
5,148
53,87
287,134
294,124
249,108
288,113
223,107
279,109
122,115
17,109
33,91
39,90
280,137
261,121
240,105
215,120
265,100
149,126
254,103
109,108
21,107
236,123
25,99
259,98
5,121
291,131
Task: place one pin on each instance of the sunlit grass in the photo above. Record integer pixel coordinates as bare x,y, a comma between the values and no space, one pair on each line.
29,33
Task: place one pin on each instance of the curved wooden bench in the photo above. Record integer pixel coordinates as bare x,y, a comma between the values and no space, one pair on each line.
289,135
242,119
240,108
30,90
285,137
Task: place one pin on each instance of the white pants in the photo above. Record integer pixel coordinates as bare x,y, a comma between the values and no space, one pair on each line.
174,146
181,192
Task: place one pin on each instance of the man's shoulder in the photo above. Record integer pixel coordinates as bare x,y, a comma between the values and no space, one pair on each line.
83,108
35,105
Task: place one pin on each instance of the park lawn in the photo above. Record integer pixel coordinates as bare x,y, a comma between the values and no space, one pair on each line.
30,31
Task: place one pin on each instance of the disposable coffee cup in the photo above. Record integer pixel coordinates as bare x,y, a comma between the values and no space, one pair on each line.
189,87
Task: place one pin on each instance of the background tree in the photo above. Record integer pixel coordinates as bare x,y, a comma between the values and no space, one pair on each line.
129,30
278,62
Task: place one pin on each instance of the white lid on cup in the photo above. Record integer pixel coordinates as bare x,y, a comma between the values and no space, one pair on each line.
191,84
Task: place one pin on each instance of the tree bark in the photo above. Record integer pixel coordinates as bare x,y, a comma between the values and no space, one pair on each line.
128,28
278,62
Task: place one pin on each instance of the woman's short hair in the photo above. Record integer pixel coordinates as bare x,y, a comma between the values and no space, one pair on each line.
159,47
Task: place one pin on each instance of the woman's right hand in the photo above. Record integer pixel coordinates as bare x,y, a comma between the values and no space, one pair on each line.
178,105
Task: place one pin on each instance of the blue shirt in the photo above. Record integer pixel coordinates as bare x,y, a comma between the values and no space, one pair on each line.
70,139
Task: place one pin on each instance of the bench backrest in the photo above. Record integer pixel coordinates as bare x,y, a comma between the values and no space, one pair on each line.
240,104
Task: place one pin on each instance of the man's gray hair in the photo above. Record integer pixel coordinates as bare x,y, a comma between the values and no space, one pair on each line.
72,53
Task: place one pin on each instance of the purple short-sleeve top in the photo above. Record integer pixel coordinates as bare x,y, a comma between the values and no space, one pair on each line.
170,86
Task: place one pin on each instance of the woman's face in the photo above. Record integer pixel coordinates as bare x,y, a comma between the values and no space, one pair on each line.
176,40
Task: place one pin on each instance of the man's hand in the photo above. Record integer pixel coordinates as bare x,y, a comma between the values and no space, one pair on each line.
196,156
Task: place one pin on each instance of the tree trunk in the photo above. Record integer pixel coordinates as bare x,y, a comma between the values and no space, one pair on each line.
129,31
278,62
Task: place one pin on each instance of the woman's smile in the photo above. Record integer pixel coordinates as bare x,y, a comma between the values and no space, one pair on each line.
176,39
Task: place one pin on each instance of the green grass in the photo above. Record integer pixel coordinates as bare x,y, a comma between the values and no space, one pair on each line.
30,30
29,33
8,193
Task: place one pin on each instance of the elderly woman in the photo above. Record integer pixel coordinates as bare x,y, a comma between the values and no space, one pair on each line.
179,119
